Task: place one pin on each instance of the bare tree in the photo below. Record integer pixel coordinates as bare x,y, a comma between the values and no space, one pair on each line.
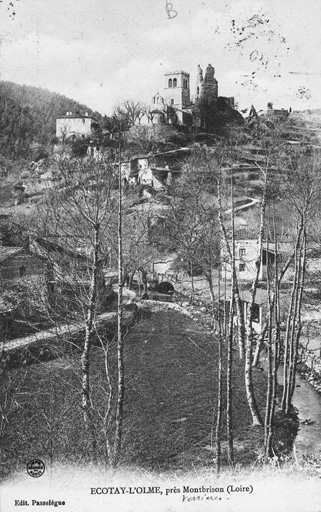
130,111
76,223
191,226
229,390
256,416
220,384
120,339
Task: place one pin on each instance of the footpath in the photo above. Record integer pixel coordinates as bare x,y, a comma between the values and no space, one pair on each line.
52,333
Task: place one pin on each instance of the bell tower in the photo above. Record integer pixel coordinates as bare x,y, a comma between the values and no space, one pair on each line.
177,89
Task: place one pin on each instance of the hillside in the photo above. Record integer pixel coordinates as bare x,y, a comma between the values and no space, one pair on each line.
28,115
171,379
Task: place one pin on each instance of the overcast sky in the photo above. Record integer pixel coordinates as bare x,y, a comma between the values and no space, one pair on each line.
100,52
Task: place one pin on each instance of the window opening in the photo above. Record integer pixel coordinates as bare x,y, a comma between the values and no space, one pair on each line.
23,271
256,313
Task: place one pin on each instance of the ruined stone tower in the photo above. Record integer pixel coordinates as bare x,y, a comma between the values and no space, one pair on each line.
199,82
206,85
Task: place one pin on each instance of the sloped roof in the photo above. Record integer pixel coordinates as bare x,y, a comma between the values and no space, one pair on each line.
6,306
8,252
158,95
157,110
49,245
76,116
261,296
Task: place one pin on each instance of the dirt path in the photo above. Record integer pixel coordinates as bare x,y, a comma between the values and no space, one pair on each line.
54,332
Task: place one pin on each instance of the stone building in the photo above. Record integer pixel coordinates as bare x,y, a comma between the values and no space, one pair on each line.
207,85
157,110
281,114
74,126
142,170
246,253
178,105
260,307
177,92
16,263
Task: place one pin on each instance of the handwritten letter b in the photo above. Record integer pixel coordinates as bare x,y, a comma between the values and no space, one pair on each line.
171,13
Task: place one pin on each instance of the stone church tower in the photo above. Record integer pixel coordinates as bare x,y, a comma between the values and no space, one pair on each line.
177,89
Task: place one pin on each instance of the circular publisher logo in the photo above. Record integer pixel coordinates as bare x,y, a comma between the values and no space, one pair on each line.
35,468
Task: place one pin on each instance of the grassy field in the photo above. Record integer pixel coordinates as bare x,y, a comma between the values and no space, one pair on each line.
170,406
172,393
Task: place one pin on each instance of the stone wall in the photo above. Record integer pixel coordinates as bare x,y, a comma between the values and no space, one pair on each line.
309,366
20,265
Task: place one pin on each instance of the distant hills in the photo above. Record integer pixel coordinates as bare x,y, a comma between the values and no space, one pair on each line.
28,115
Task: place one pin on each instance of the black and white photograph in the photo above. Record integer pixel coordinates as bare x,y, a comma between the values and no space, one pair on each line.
160,255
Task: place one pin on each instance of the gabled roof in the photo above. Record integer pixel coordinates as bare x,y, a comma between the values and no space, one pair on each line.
140,157
261,296
43,246
6,306
186,150
157,95
8,252
76,116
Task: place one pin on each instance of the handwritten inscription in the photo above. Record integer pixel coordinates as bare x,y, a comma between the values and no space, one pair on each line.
171,13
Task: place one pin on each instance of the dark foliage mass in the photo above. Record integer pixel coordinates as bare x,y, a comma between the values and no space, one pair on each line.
28,115
216,114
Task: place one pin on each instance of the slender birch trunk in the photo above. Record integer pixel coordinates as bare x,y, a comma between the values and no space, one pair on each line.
270,395
299,328
85,358
229,391
120,341
220,382
256,416
274,298
292,332
288,342
237,300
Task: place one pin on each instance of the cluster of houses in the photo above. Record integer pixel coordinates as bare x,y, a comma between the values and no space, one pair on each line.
18,263
174,106
154,172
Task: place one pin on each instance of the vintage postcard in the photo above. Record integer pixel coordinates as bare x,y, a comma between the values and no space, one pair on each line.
160,255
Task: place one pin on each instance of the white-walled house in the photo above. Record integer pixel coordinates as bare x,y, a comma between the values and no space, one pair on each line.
141,170
125,169
246,253
261,305
74,126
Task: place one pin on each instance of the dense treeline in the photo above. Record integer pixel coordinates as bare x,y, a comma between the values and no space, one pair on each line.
28,114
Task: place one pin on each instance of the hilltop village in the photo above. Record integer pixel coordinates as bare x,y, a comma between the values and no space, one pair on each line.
164,246
176,104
